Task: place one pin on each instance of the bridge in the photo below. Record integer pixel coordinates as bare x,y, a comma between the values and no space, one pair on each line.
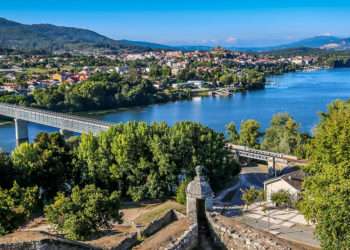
270,157
65,122
72,123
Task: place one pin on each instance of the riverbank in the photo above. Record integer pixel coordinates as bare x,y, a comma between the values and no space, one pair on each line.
4,123
301,94
205,92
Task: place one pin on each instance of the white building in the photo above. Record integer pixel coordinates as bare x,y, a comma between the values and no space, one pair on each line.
122,69
189,84
291,182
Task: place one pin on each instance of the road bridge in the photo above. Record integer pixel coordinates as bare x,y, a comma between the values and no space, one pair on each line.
65,122
270,157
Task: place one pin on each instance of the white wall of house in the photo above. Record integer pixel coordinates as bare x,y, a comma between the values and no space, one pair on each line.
279,185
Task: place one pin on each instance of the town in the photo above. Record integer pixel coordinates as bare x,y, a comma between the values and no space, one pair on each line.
167,69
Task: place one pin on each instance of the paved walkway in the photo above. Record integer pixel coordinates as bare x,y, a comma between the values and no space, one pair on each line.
283,217
297,233
285,223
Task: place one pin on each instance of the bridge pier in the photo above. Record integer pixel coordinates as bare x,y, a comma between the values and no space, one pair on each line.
272,166
21,131
65,133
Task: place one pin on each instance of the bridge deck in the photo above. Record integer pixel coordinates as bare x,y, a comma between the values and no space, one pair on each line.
260,154
67,122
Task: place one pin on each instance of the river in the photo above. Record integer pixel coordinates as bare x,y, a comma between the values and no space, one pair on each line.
301,94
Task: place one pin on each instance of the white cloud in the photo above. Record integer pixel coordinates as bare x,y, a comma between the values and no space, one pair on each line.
231,39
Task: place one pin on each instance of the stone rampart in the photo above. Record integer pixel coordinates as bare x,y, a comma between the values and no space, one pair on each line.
234,235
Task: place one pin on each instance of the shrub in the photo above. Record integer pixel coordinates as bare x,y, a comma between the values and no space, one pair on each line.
281,198
181,192
84,212
250,196
16,207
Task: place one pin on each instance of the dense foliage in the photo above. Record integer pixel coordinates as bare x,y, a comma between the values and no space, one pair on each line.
281,198
16,206
145,161
284,136
251,195
103,91
7,173
249,134
181,192
84,212
136,160
327,185
46,163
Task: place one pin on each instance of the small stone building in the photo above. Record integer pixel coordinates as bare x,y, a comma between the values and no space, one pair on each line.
199,196
291,182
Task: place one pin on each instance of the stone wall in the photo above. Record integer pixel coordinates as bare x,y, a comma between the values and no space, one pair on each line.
35,240
42,241
231,234
158,224
188,241
127,243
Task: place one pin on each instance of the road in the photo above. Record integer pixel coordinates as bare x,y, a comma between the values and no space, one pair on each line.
251,176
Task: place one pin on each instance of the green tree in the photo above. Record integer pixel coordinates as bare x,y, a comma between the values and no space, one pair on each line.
155,71
227,79
16,206
283,135
166,71
250,196
232,133
143,161
327,185
7,172
84,212
181,192
46,162
249,133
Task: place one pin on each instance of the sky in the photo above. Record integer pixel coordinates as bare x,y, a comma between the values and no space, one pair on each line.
191,22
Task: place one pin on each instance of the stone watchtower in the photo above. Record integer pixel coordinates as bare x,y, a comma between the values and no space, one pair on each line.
199,196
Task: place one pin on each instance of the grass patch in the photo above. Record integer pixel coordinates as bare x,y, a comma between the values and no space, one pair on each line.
158,211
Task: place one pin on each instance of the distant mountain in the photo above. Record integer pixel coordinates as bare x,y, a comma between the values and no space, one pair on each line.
318,42
314,42
53,38
146,44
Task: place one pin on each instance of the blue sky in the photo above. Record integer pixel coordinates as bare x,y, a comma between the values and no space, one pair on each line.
215,22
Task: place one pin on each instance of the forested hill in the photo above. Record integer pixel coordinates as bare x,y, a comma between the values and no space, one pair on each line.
53,38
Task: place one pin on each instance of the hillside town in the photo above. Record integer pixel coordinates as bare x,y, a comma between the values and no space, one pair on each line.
24,74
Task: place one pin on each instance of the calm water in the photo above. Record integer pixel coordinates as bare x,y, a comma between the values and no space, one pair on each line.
301,94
